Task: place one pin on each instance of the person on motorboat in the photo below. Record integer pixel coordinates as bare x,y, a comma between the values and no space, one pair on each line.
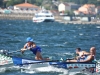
86,58
30,45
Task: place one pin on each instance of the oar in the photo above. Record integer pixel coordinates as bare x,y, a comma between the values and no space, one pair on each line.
54,62
14,51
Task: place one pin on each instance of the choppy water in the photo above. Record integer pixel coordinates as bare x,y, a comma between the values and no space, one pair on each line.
57,40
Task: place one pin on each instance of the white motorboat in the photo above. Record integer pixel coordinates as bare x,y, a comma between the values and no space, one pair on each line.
43,16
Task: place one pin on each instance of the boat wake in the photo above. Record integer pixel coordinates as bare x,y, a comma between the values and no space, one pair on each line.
60,71
48,69
9,69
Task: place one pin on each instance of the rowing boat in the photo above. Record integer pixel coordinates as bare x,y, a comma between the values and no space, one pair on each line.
8,60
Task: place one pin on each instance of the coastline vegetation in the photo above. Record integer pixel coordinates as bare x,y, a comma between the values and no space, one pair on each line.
46,3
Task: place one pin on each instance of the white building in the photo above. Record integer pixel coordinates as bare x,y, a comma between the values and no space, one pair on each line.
63,7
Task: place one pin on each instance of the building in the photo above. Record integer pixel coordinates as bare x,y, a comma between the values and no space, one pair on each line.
26,6
76,12
87,9
67,7
61,7
97,10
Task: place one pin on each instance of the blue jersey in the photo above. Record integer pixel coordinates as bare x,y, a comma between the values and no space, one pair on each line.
35,50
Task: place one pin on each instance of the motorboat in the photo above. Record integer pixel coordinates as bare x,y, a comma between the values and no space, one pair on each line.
43,16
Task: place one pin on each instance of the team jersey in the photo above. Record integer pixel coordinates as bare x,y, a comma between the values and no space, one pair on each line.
35,50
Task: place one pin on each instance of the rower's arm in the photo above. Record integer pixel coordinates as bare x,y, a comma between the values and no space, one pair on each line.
24,48
86,53
88,59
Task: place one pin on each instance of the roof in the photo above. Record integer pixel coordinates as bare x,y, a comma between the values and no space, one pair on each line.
26,5
88,5
66,4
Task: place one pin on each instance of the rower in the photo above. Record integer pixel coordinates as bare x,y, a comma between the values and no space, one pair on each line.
80,53
93,53
91,56
85,58
30,45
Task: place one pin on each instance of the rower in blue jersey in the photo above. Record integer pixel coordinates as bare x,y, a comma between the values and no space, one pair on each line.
30,45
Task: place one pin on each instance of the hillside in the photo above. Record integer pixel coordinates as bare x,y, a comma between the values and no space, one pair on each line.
46,3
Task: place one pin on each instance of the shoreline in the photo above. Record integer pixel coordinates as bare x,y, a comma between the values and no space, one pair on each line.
30,16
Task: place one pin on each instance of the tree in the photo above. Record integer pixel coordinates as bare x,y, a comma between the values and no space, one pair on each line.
93,2
31,1
83,1
13,2
39,2
1,3
10,3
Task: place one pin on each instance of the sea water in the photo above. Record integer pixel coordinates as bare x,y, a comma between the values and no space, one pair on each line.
57,40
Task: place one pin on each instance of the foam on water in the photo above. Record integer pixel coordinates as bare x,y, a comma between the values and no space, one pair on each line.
97,26
3,69
61,71
48,69
45,69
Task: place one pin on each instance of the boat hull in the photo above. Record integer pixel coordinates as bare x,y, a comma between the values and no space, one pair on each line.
43,20
34,64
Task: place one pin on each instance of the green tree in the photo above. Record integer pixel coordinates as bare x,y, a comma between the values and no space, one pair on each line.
39,2
32,1
13,2
83,1
10,3
1,3
18,1
93,2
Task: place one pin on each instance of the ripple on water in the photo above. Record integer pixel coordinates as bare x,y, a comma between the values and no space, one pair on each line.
57,40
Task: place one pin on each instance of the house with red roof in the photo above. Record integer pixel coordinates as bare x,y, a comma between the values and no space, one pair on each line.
26,6
87,9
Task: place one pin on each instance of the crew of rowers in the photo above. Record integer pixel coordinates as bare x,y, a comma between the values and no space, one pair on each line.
83,56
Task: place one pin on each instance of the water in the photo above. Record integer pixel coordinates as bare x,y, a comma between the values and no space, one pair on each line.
57,40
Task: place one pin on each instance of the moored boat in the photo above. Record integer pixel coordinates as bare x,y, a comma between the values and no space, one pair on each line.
43,16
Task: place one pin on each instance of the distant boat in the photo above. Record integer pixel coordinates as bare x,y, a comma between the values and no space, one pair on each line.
43,16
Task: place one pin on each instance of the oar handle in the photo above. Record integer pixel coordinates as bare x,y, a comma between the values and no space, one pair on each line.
18,50
23,49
